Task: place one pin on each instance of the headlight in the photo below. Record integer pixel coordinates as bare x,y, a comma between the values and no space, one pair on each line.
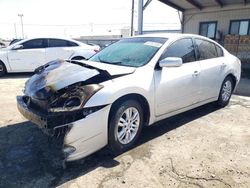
74,98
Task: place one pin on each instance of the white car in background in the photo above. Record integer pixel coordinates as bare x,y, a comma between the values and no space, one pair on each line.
28,54
130,84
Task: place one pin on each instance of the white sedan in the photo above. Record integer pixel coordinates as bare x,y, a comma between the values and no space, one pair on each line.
28,54
132,83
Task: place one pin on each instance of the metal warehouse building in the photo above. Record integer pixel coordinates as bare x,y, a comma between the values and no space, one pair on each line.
226,21
214,18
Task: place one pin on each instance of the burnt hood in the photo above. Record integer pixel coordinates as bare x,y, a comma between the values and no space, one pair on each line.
59,74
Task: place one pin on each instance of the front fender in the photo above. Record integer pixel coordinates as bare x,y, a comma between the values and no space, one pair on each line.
108,95
136,83
140,82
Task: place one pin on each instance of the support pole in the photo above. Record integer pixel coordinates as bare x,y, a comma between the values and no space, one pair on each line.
21,17
132,18
15,30
140,17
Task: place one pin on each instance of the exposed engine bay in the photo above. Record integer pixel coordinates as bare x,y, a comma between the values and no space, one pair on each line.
62,100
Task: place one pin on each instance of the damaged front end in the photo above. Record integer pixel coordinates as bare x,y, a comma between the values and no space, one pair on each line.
55,97
56,124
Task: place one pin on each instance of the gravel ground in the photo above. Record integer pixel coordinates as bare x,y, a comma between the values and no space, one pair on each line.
205,147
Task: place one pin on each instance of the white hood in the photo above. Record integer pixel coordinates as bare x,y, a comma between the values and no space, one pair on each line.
59,74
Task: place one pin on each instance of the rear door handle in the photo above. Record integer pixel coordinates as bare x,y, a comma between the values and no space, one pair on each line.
196,73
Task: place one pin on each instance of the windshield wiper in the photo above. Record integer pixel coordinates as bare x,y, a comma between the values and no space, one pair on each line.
108,62
101,60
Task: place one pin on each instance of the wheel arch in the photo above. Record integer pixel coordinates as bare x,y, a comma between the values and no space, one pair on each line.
234,78
78,57
133,96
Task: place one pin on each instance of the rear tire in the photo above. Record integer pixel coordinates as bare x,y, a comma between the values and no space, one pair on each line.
125,125
2,69
225,92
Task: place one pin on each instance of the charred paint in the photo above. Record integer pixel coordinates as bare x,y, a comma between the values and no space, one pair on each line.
54,76
55,96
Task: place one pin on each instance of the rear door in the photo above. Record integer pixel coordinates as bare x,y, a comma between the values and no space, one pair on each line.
212,62
31,56
177,87
59,49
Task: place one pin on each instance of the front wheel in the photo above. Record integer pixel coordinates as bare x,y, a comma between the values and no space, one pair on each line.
225,92
125,125
2,69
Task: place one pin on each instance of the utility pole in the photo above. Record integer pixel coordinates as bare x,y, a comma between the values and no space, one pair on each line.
21,17
91,24
132,18
15,30
140,17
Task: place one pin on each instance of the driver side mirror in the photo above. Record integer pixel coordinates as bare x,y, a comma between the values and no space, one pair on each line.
18,47
171,62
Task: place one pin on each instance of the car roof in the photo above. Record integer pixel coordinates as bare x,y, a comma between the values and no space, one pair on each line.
62,38
174,36
162,35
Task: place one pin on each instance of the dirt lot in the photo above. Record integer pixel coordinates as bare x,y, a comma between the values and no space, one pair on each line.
205,147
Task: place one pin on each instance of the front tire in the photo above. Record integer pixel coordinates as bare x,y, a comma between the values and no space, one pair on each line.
225,92
125,125
2,69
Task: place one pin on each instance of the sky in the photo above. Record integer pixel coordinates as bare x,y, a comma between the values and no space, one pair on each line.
74,18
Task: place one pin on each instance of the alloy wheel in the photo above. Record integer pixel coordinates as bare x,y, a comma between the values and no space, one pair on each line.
128,125
226,90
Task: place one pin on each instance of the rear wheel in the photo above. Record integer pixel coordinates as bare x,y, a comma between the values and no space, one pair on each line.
225,92
2,69
125,125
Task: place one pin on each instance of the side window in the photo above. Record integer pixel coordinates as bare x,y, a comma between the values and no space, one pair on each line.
35,43
58,43
219,51
239,27
207,50
182,48
72,43
208,29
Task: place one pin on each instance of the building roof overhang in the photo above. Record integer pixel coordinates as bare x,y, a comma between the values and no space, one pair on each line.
183,5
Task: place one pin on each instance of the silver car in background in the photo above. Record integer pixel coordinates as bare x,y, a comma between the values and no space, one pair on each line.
132,83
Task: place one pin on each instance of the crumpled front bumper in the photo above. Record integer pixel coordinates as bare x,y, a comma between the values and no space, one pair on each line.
80,138
33,115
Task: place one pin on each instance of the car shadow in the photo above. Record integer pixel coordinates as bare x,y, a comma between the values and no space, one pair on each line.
17,75
27,158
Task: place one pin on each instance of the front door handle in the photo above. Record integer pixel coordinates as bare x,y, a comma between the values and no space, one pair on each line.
196,73
223,65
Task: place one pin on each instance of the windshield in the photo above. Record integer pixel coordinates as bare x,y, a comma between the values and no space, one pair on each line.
132,52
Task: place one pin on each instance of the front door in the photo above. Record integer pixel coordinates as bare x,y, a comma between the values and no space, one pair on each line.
177,87
29,57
